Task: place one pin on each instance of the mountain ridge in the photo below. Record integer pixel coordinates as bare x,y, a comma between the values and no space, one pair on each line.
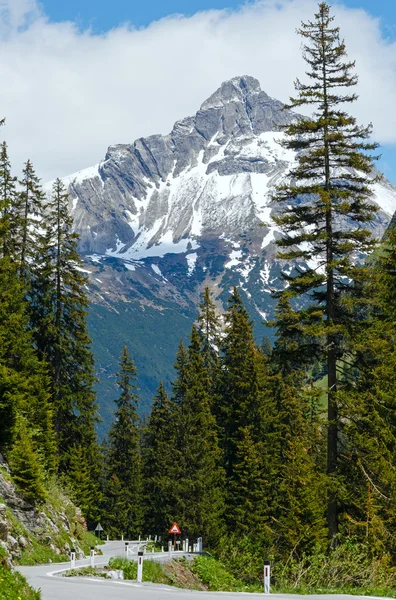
162,217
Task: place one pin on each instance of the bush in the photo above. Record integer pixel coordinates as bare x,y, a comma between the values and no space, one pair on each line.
213,574
152,571
128,566
350,567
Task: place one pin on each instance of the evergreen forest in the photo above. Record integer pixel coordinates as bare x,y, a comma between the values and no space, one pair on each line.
283,452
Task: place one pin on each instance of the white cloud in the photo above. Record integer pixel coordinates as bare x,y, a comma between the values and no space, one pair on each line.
68,94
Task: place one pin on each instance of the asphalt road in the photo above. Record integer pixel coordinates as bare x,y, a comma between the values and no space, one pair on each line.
55,587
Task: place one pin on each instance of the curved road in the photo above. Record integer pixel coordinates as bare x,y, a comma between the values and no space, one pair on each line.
55,587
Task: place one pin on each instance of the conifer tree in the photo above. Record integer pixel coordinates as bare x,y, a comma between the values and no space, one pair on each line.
241,400
161,464
7,200
209,328
241,413
200,502
124,464
28,211
24,385
26,466
59,322
325,228
367,409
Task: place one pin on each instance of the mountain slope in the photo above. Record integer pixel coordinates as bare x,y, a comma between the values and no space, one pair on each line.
164,216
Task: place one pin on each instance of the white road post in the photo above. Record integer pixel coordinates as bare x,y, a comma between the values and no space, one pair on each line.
170,544
199,544
186,545
72,558
126,549
92,556
162,549
122,538
140,567
267,576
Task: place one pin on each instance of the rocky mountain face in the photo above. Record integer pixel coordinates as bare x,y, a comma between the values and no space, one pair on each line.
166,215
26,531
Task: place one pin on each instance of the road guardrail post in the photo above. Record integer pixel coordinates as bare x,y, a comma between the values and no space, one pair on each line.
140,567
92,556
170,547
126,549
72,558
267,577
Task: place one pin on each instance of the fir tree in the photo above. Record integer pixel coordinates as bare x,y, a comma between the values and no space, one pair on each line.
28,215
26,466
24,385
240,403
124,468
242,418
200,503
161,464
331,180
209,327
367,408
7,201
59,321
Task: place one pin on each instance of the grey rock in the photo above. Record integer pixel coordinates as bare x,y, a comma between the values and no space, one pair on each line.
22,541
6,559
151,189
3,529
115,575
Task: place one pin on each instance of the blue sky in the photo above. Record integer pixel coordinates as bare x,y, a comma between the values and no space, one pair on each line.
102,15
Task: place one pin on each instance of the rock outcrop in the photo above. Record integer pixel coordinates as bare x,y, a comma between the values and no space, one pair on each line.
23,527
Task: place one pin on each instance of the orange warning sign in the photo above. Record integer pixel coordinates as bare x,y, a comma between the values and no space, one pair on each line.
174,529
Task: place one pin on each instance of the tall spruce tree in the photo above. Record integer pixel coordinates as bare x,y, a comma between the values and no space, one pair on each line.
28,211
58,313
124,511
367,409
161,464
200,485
242,419
297,473
327,207
24,385
209,328
8,196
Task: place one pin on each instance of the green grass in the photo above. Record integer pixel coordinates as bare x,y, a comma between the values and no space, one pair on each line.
86,572
215,576
14,587
152,571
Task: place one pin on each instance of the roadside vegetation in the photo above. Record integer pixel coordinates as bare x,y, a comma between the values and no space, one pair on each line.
12,585
349,570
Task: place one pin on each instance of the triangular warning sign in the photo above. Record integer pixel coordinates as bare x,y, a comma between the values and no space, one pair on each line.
174,529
